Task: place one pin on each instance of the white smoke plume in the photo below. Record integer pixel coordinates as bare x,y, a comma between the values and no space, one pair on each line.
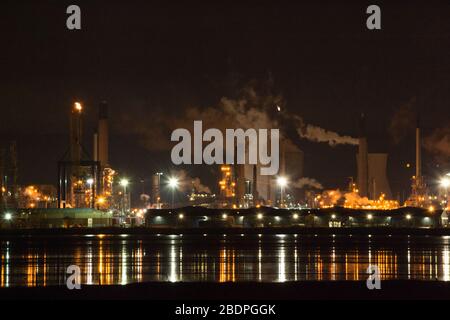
314,133
250,110
199,187
355,200
307,182
329,198
186,183
318,134
348,199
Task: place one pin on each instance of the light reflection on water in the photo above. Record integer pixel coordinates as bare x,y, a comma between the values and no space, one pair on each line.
42,261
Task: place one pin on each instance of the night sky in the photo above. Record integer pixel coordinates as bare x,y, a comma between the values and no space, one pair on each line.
158,58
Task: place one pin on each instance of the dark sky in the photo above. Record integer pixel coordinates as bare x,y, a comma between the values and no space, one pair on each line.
142,56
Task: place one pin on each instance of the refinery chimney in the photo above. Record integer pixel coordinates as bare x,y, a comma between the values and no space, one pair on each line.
103,136
255,186
76,132
418,152
156,190
362,160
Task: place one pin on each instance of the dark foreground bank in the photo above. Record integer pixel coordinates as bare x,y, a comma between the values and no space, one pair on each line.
308,290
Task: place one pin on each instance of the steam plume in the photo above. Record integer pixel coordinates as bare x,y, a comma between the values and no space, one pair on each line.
402,122
317,134
249,110
438,143
303,182
187,183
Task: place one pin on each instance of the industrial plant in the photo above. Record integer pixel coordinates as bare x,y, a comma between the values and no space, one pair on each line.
91,193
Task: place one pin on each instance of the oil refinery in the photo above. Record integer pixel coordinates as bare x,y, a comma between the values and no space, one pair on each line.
92,193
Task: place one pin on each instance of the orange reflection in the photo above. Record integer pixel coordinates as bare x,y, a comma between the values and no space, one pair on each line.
227,266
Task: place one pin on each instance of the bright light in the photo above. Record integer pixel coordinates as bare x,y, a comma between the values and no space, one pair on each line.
8,216
408,216
181,216
78,107
277,218
295,216
173,182
282,181
224,216
90,181
430,209
333,216
369,216
259,216
124,182
445,182
101,200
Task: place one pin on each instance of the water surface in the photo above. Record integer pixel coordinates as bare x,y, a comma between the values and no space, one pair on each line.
123,259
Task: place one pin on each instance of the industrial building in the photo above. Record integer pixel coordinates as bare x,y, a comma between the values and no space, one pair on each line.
338,217
372,181
86,181
78,175
242,185
58,218
37,196
8,175
419,192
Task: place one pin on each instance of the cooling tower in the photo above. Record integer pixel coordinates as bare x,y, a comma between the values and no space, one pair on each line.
265,187
378,181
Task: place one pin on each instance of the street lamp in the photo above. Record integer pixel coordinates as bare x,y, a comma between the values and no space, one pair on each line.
173,184
8,216
101,200
78,107
90,182
124,183
282,183
445,183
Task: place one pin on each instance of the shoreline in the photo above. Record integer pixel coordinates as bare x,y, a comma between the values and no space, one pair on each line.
302,290
145,231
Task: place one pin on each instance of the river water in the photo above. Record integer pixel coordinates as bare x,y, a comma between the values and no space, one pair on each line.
123,259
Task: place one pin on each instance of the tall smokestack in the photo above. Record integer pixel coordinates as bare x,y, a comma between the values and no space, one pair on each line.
156,190
76,132
418,152
103,136
362,160
95,147
239,179
255,185
240,183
